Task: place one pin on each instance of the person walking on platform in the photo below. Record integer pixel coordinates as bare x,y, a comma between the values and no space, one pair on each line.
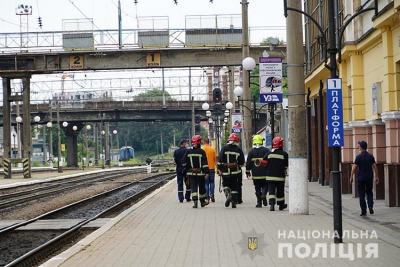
257,172
230,161
277,161
365,163
195,170
212,159
177,158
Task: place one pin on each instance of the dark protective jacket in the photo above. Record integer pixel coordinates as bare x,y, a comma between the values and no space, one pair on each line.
194,162
278,161
178,155
230,160
255,153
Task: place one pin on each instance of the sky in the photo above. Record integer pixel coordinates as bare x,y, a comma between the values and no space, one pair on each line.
105,12
56,15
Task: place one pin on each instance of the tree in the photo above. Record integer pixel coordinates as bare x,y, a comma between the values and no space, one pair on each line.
267,41
153,94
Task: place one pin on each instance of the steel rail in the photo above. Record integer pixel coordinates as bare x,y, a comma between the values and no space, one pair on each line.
39,252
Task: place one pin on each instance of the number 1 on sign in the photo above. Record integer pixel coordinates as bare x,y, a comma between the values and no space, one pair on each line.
334,83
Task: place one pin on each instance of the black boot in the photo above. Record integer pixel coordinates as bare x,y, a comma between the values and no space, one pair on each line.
264,197
258,200
282,206
204,203
212,198
228,201
234,200
272,207
195,202
228,197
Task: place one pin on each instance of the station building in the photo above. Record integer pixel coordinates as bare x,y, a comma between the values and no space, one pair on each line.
370,71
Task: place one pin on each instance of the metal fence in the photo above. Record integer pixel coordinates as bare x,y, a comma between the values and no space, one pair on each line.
108,39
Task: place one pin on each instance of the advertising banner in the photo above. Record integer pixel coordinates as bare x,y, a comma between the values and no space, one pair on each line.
236,123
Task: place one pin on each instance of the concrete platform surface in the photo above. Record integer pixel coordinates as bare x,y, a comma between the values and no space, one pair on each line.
160,231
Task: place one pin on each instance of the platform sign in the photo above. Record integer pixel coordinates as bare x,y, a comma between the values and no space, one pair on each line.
236,123
334,105
76,62
270,79
153,60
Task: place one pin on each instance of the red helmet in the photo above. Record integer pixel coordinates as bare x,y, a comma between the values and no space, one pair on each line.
234,137
277,142
196,140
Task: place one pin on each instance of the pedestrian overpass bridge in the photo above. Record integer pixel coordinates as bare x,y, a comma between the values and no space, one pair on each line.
118,111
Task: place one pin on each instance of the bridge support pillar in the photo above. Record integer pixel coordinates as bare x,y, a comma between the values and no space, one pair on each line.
72,143
24,97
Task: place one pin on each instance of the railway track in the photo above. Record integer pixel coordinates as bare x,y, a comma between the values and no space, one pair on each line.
80,212
52,188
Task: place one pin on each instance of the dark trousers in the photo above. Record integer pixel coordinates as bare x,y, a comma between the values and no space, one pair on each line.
210,184
365,188
231,184
197,184
276,190
179,176
260,185
239,188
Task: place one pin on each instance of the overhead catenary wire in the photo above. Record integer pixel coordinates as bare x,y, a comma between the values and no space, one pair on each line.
91,21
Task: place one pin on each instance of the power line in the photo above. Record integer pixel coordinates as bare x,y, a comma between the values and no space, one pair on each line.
91,21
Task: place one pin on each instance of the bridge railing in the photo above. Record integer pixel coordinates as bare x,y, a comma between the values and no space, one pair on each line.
108,39
107,104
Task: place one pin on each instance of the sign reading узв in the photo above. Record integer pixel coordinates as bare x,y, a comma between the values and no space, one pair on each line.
334,106
270,79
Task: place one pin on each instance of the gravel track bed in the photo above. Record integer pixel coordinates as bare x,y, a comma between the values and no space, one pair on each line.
18,243
96,206
35,208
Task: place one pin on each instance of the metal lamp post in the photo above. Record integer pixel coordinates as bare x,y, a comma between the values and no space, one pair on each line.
18,120
248,64
50,126
37,120
75,128
115,132
88,127
15,154
64,124
102,141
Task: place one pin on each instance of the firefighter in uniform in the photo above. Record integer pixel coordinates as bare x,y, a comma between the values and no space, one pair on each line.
230,161
196,171
257,172
178,155
277,161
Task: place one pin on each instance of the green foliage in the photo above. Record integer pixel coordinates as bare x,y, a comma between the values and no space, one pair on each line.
155,94
36,164
267,41
146,136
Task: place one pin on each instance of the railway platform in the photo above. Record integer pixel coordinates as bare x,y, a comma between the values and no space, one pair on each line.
160,231
178,235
